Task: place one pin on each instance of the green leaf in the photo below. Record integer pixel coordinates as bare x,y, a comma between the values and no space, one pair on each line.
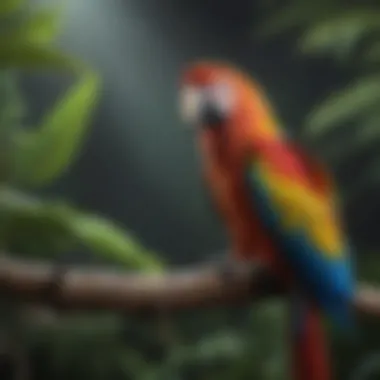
40,28
340,33
16,53
12,112
298,15
373,53
12,107
41,156
356,99
31,227
35,226
10,6
132,363
224,345
110,241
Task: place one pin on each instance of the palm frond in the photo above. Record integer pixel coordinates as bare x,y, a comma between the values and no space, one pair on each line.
299,15
339,33
355,100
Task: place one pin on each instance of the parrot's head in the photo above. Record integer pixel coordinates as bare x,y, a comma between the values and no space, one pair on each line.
208,94
217,98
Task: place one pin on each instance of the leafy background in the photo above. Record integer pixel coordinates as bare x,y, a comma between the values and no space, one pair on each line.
341,127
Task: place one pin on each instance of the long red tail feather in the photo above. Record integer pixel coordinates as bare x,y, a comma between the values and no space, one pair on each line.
309,344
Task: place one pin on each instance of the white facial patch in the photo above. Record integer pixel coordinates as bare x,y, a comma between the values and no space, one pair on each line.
194,100
190,103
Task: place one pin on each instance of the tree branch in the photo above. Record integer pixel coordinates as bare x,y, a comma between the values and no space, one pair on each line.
87,289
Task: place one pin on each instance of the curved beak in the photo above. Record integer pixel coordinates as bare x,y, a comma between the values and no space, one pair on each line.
197,107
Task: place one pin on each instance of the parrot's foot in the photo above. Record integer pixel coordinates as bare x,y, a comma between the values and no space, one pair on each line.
232,271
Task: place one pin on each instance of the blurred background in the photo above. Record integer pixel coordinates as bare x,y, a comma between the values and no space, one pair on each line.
96,169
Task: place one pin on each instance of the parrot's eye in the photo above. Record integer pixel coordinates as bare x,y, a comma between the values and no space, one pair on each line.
208,105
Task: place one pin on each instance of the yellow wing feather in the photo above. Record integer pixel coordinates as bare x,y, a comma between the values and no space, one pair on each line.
301,208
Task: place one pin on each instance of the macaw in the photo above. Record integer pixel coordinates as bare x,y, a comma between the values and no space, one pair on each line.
278,203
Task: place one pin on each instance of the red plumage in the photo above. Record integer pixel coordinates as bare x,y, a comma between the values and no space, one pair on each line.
251,134
310,357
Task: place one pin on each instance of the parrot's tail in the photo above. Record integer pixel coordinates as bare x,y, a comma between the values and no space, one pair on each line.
308,340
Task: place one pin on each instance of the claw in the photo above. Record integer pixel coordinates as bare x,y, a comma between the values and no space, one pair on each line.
231,270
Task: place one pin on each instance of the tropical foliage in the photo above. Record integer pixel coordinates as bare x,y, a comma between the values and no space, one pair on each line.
74,345
35,156
219,345
347,33
31,158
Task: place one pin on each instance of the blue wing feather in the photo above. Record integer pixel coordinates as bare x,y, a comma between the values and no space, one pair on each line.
328,281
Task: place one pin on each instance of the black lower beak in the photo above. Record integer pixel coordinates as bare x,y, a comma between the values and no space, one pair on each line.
211,116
